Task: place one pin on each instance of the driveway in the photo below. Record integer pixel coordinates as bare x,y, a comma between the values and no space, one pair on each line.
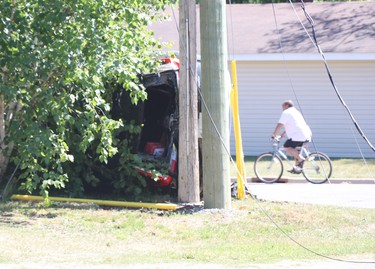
345,194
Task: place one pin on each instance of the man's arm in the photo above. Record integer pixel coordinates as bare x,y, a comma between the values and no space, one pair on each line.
279,126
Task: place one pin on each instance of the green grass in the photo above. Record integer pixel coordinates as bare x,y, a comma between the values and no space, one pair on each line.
343,168
89,235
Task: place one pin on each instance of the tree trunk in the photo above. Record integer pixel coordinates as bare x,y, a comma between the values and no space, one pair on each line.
2,137
6,147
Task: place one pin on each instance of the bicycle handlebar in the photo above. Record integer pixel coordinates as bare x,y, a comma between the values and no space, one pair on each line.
276,138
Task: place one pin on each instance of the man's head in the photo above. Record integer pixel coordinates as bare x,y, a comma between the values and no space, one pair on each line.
287,104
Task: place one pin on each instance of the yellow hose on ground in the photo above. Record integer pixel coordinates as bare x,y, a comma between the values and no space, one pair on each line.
163,206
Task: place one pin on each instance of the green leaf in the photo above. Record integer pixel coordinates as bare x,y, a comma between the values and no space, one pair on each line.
54,59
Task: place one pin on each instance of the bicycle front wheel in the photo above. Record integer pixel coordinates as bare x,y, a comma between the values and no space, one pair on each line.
317,168
268,167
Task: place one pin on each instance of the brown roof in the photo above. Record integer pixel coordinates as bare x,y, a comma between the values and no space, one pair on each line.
341,27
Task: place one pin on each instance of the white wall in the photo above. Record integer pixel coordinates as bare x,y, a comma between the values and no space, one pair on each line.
263,86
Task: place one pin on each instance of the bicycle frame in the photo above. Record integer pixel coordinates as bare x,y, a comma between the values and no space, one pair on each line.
280,151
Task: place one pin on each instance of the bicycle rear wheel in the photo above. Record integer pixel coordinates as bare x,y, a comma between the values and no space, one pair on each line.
318,168
268,167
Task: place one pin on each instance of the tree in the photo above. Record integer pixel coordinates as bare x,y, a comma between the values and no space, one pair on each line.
56,58
272,1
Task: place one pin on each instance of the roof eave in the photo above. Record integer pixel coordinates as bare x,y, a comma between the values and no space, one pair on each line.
303,57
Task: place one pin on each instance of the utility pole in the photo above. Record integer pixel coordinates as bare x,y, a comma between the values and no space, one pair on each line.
216,93
188,156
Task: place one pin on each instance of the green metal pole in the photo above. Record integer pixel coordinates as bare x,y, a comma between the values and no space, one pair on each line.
216,93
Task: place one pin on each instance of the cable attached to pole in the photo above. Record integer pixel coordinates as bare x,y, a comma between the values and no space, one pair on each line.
269,217
311,21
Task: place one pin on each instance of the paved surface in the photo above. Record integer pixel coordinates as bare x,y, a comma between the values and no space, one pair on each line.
343,193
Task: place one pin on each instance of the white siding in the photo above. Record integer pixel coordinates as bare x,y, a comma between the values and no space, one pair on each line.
263,86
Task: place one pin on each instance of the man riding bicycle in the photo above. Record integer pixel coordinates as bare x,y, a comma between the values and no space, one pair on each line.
298,132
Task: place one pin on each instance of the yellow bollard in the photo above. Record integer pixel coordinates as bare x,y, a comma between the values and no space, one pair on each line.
237,131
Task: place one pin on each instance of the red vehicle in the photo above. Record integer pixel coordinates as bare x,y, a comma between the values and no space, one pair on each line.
158,115
159,136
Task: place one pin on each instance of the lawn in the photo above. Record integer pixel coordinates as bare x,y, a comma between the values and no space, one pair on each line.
252,232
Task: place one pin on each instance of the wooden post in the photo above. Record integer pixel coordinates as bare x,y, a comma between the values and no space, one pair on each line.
188,157
216,93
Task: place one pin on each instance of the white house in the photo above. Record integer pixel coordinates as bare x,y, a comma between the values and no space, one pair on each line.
277,60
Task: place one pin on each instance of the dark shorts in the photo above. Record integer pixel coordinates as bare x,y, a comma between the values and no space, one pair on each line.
292,144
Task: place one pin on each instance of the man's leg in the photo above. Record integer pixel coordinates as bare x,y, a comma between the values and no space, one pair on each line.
290,148
295,154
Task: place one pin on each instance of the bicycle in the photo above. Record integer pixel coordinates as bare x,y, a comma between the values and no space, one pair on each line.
269,167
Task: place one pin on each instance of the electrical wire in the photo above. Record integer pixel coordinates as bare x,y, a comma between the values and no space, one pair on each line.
288,73
256,199
315,42
238,173
263,210
345,107
232,31
281,48
273,221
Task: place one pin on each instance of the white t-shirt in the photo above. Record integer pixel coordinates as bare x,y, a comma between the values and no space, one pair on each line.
295,126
